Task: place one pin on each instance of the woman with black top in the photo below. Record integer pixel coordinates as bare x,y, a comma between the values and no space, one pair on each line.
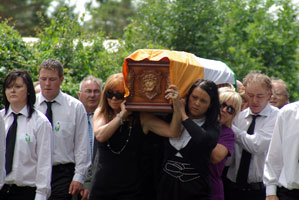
121,136
185,173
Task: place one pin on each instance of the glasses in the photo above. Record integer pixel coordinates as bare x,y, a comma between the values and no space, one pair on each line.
92,91
117,95
229,109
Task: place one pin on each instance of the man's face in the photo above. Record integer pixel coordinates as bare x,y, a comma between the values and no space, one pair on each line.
90,95
257,97
50,83
279,96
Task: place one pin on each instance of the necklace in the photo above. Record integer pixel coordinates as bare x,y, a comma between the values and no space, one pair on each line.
123,148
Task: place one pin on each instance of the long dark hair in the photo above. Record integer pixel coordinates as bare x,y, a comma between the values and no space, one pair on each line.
10,79
211,88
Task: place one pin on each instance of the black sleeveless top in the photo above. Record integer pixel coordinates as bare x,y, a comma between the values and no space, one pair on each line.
120,172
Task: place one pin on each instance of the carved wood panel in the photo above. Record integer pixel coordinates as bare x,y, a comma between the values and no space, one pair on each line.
147,82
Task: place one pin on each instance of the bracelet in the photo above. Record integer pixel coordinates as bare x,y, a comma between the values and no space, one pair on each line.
120,119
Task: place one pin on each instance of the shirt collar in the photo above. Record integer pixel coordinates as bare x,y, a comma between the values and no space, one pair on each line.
57,99
23,111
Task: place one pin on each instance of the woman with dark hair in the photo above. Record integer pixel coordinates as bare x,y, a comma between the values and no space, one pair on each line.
28,156
121,135
185,173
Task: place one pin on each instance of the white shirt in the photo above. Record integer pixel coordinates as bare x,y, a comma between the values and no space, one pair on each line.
33,154
70,127
282,162
257,144
2,151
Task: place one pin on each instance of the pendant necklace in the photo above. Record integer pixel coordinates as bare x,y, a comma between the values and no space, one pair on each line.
126,142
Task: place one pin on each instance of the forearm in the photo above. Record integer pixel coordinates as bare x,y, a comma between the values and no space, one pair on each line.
175,124
218,153
104,132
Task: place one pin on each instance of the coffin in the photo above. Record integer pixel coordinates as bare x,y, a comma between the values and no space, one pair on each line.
148,73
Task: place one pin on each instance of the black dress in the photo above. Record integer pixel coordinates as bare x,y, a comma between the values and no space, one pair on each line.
123,171
187,177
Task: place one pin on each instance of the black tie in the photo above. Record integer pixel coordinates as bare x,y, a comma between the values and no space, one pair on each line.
246,157
10,143
49,113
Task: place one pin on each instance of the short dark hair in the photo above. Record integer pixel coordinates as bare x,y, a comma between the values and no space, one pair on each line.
52,64
11,78
211,88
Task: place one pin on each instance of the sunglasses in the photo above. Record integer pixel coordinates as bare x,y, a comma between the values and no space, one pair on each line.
117,95
229,109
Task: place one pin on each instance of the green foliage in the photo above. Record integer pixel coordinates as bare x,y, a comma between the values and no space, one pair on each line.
245,34
14,54
111,17
81,54
23,14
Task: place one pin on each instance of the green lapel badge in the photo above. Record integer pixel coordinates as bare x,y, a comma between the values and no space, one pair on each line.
57,126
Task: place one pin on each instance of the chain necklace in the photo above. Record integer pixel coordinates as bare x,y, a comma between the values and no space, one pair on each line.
123,148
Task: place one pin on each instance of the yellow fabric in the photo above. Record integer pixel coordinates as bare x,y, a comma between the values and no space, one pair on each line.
184,70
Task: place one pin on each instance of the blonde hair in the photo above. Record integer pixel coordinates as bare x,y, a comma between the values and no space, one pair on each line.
229,94
112,82
262,79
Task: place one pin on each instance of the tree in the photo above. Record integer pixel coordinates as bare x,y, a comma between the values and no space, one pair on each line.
80,53
14,54
111,17
245,34
23,14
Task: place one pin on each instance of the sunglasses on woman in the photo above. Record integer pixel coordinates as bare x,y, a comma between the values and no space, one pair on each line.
117,95
229,109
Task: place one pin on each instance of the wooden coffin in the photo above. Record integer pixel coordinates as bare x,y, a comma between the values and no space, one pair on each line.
147,82
148,73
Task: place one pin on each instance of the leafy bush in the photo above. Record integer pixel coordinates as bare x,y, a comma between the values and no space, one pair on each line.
14,54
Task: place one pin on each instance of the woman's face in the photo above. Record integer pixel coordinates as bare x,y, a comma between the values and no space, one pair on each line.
113,99
16,92
226,111
198,103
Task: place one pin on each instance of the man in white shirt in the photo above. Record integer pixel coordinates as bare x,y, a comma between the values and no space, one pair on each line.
245,173
89,95
71,156
282,161
2,152
280,93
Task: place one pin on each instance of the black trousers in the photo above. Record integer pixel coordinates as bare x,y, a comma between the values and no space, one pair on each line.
285,194
14,192
254,191
62,176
